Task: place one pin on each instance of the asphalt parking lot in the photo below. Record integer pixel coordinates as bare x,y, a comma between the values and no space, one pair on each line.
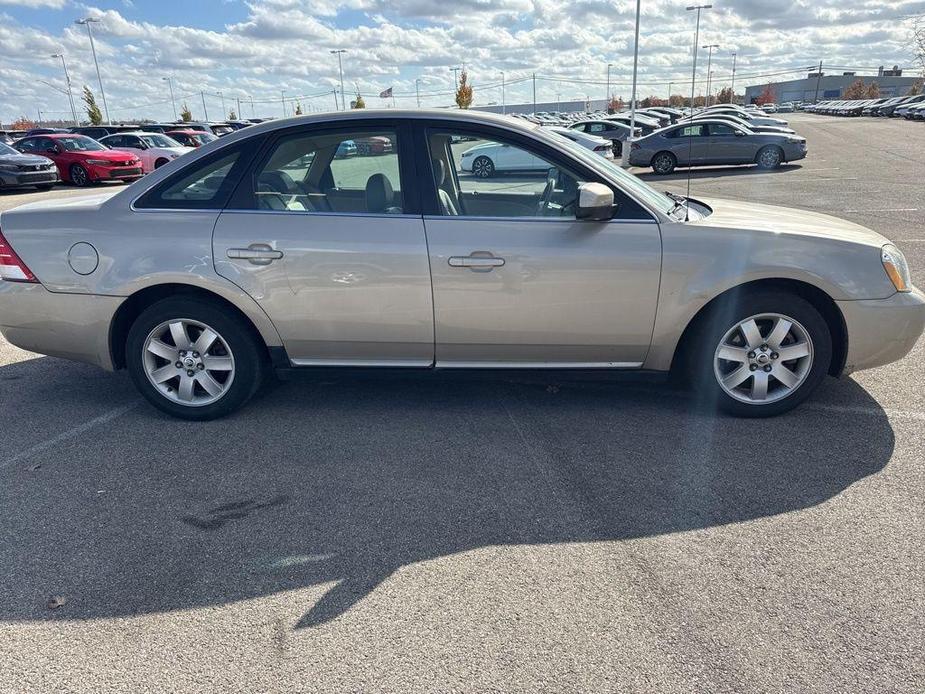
445,535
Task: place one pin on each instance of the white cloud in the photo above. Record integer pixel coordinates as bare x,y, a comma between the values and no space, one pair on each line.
283,45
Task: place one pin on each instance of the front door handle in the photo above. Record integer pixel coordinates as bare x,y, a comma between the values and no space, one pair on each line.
256,253
481,262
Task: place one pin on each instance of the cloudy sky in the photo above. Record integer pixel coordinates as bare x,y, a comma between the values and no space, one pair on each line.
258,49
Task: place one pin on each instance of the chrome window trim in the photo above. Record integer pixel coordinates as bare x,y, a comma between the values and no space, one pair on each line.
536,219
308,213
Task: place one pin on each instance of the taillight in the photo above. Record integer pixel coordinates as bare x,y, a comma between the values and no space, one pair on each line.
12,268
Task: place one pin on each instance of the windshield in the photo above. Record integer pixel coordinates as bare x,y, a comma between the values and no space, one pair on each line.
203,138
626,180
6,150
79,143
155,140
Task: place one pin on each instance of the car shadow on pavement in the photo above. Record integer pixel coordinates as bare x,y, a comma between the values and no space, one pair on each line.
681,174
345,480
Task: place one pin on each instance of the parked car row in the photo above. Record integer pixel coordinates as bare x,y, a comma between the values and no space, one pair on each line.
908,107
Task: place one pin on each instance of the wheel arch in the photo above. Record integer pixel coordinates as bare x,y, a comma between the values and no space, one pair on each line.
819,299
137,302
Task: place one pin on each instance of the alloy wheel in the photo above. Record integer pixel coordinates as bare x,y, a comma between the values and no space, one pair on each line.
79,176
188,362
769,158
763,358
482,167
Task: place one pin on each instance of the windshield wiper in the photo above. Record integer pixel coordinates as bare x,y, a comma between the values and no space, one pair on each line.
680,202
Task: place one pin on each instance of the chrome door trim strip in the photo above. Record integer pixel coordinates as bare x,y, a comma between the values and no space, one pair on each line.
538,365
392,363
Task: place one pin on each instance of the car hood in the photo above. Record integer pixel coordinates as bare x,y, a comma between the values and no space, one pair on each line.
108,155
736,214
25,159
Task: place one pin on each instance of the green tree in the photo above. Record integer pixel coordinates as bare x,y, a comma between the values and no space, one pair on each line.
232,115
359,103
185,114
298,108
464,91
615,104
725,96
856,90
93,111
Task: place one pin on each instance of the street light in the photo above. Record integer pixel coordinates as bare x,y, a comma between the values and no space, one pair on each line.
67,81
733,87
607,97
340,64
417,90
503,103
709,74
626,150
224,112
173,101
87,22
455,71
690,139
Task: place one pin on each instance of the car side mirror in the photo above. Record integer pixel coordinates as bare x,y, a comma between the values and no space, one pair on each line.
52,150
739,133
595,202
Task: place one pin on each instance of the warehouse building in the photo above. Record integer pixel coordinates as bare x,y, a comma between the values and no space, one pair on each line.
892,82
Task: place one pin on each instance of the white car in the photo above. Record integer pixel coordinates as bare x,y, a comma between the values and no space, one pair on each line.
487,159
154,149
598,145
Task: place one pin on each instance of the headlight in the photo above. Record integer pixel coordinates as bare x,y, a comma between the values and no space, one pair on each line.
99,162
795,140
894,262
9,167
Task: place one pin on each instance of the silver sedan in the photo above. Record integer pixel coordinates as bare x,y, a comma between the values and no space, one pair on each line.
266,250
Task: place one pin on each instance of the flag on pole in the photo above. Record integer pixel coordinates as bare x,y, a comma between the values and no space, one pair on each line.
387,94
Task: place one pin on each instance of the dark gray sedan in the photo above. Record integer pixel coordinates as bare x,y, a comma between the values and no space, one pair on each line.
18,170
611,130
714,142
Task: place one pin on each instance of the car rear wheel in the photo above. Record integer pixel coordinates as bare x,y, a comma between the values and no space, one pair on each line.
664,163
79,175
760,354
483,167
191,359
769,157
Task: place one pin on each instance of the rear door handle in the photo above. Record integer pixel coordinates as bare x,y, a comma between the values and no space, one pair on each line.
256,253
476,262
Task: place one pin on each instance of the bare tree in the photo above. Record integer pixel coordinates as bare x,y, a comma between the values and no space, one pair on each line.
856,90
918,40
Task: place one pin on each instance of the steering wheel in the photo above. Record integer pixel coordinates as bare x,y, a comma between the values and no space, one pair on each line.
542,208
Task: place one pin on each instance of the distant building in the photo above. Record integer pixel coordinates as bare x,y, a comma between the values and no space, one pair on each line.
891,83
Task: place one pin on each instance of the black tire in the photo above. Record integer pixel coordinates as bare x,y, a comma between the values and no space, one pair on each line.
250,358
664,163
769,157
483,167
700,351
160,162
46,186
79,176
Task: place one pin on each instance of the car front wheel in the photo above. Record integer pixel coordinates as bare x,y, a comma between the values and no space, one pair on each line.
663,163
483,167
769,158
191,359
79,175
760,354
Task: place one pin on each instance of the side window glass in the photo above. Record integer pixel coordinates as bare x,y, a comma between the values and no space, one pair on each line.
26,145
347,172
596,128
115,142
721,130
204,185
477,177
689,131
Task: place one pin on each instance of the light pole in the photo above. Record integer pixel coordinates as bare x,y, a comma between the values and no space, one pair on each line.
87,22
709,74
417,90
205,111
340,66
626,150
669,93
67,81
455,71
282,96
607,96
733,87
224,112
169,82
503,103
690,139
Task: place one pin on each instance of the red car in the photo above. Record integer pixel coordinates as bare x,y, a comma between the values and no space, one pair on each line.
377,144
191,138
82,160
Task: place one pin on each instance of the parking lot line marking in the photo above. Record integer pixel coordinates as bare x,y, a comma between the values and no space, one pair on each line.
873,411
70,433
828,168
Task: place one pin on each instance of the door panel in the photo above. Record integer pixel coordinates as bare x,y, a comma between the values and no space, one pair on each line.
349,289
570,293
